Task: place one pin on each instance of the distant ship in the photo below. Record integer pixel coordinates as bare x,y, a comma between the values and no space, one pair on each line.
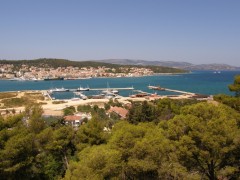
53,79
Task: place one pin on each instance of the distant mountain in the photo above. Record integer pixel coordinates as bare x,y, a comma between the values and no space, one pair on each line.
214,67
146,63
181,65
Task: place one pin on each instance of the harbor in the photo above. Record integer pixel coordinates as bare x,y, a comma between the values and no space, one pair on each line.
199,83
108,93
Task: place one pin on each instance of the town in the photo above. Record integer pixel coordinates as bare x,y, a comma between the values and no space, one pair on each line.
26,72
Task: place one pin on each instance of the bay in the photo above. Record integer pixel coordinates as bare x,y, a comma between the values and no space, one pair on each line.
202,82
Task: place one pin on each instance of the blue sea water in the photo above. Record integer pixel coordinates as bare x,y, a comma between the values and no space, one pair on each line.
202,82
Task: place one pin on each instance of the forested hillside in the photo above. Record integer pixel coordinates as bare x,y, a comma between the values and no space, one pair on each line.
166,139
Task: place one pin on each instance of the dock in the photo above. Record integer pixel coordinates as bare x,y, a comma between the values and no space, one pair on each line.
101,89
171,90
45,93
142,92
178,91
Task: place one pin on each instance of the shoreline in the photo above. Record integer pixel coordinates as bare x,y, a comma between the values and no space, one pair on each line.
154,74
56,109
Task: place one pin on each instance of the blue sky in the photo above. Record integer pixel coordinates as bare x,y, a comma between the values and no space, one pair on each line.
196,31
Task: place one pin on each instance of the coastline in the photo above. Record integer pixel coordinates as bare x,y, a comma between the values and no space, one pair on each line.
73,79
50,108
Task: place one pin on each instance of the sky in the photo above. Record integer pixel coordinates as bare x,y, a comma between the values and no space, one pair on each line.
195,31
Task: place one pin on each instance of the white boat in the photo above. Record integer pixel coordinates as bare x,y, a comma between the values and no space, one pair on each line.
75,99
58,90
114,91
110,91
76,93
83,89
156,88
18,79
109,96
84,77
82,96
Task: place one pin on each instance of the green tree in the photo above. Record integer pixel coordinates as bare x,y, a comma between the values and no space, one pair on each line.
35,121
230,101
143,150
90,134
17,154
207,139
107,106
144,112
84,108
69,111
61,143
49,162
235,87
96,163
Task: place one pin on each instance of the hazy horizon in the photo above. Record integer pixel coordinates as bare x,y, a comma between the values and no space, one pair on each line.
198,32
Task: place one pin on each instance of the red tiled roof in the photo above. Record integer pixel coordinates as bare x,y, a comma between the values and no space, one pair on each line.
72,118
119,110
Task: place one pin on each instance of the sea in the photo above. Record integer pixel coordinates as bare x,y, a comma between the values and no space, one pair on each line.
201,82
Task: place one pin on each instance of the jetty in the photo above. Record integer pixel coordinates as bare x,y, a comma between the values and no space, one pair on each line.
101,89
178,91
96,89
171,90
46,93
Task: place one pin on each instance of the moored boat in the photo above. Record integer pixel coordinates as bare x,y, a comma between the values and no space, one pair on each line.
53,79
83,89
156,88
59,90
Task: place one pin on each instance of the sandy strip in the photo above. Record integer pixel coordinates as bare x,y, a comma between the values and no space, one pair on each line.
56,109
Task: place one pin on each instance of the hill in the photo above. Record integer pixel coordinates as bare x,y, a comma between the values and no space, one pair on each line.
181,65
55,63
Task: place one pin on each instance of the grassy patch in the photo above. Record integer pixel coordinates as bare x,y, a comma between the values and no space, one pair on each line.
16,102
7,95
26,99
34,96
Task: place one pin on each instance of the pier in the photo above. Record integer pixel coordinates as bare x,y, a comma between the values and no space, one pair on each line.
101,89
140,91
171,90
45,93
178,91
